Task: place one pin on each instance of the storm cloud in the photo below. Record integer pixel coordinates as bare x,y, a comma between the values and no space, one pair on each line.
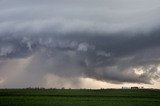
111,41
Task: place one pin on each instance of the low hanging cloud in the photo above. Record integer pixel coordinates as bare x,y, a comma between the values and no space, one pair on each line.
73,39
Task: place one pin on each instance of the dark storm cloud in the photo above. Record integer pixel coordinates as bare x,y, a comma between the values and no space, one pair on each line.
108,58
77,38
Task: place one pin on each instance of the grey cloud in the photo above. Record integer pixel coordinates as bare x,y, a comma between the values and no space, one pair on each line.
85,55
74,15
104,40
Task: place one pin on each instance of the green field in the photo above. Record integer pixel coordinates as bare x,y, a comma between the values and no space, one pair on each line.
75,97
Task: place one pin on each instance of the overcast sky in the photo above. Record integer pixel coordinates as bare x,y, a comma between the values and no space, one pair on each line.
79,43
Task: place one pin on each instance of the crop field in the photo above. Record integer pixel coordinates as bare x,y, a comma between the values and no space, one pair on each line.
79,97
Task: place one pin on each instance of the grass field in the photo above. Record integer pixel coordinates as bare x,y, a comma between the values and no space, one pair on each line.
75,97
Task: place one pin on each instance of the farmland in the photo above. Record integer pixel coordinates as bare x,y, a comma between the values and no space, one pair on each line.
79,97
